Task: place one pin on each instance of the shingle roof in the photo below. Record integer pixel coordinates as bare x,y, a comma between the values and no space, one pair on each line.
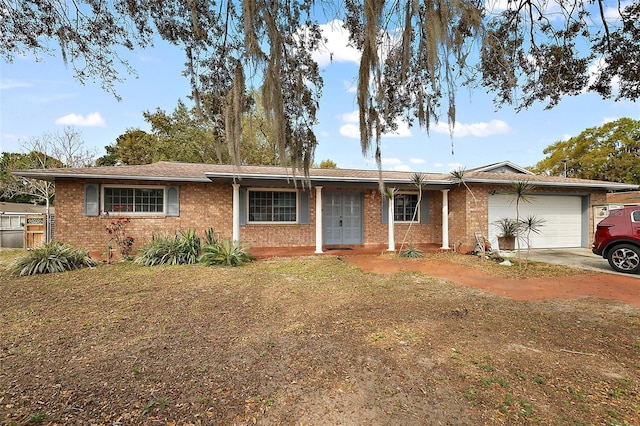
192,172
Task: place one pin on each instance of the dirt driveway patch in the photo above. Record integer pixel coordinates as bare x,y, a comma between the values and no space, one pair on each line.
598,285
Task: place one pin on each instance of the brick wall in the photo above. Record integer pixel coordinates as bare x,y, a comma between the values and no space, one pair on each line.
209,205
376,232
470,213
202,206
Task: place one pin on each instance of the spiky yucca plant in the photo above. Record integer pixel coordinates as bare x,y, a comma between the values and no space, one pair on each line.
180,249
225,253
52,257
412,252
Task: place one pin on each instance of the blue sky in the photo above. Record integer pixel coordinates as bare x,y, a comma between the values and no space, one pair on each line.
38,97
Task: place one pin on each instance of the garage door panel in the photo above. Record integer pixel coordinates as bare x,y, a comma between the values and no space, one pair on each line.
562,217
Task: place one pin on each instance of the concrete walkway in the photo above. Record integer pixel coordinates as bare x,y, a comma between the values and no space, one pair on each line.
574,257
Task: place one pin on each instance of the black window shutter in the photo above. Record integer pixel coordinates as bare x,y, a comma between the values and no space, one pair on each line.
304,208
425,215
385,210
243,206
173,201
91,199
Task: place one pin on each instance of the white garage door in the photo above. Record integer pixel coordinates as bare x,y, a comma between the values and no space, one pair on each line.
562,215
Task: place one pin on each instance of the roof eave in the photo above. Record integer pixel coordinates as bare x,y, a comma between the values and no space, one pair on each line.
604,185
334,179
53,176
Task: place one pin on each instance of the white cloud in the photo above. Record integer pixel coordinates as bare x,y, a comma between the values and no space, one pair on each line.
394,164
479,130
403,131
391,161
449,166
350,131
351,117
416,161
336,47
351,128
349,87
91,120
12,84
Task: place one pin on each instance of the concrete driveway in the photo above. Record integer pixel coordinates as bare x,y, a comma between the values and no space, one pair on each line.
574,257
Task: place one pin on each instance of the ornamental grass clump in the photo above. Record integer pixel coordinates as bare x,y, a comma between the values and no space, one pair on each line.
224,253
181,249
52,257
412,252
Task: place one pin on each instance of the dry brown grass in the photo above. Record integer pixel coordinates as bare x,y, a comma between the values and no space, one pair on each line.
307,341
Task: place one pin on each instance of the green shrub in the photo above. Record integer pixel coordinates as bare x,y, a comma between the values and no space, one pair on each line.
210,237
180,249
226,253
52,257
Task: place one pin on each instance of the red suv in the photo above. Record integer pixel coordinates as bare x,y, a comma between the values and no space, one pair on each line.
617,239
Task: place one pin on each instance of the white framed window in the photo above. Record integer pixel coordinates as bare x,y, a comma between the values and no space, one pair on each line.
133,199
272,206
405,204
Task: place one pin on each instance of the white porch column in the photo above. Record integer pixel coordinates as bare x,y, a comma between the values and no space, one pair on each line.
318,219
445,219
392,240
236,213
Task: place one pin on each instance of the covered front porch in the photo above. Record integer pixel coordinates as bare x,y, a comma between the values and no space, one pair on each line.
348,250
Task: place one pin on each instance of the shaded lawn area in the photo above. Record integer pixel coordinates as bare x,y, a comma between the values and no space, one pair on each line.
307,341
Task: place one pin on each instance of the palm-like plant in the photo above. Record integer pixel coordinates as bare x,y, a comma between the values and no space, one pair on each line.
458,176
523,193
528,225
418,181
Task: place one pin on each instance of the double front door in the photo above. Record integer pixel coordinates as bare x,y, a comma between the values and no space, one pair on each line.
342,217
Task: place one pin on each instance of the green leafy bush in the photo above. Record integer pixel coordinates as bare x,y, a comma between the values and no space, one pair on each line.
225,253
180,249
52,257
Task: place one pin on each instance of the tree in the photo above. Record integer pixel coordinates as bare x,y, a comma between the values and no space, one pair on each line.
111,158
51,150
183,136
608,152
24,189
414,55
328,164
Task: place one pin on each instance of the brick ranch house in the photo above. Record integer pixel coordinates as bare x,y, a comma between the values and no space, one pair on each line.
265,206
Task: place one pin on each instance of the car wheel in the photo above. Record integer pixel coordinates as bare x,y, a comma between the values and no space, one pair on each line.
625,258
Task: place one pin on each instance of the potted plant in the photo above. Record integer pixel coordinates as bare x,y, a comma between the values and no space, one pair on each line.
507,232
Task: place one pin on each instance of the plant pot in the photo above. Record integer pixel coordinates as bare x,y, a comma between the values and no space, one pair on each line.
507,243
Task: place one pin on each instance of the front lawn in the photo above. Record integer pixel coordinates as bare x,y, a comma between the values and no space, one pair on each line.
311,341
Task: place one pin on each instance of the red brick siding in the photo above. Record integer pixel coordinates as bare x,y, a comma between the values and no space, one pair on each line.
376,232
202,206
209,205
468,215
